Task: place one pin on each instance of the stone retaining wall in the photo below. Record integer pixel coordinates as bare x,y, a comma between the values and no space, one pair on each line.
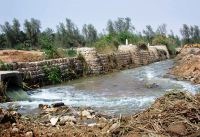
35,71
128,56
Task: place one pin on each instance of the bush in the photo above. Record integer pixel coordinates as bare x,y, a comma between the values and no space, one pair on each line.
122,36
71,53
4,66
107,44
53,74
163,40
51,52
142,45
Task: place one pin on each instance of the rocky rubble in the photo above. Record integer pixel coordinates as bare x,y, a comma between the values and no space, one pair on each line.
175,114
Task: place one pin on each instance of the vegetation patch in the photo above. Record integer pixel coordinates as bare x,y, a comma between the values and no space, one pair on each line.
71,53
4,66
53,74
142,45
67,37
3,88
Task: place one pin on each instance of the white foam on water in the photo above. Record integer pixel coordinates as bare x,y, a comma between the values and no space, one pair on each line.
84,99
104,97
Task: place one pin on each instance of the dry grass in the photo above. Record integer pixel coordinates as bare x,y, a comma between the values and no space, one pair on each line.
9,56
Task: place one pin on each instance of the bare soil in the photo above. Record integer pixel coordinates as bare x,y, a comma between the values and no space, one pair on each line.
188,64
9,56
175,114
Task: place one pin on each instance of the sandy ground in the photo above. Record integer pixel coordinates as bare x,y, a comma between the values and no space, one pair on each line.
9,56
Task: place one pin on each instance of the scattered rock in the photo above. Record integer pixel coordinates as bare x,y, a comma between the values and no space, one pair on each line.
87,114
15,130
4,118
153,85
43,107
51,110
59,104
177,128
68,119
54,120
29,134
14,124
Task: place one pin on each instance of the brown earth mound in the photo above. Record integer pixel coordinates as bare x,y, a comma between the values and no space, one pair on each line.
175,114
188,65
9,56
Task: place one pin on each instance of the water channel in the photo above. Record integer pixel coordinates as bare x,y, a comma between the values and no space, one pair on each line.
123,92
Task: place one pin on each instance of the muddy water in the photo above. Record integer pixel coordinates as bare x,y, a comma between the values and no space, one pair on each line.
123,92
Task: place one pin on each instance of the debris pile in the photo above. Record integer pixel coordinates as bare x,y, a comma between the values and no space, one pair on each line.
188,65
175,114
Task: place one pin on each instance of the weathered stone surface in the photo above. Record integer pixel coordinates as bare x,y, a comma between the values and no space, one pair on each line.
29,134
54,120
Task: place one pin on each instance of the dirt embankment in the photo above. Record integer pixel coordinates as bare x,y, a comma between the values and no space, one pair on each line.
9,56
188,64
175,114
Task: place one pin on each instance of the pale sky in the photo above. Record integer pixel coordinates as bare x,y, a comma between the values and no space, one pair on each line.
142,12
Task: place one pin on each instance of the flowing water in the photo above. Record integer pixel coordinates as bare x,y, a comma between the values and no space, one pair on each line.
123,92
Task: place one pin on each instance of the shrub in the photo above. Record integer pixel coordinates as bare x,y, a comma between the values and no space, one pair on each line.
53,74
106,44
71,53
163,40
4,66
142,45
51,52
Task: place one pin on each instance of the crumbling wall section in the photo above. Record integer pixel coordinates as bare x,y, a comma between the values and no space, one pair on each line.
128,56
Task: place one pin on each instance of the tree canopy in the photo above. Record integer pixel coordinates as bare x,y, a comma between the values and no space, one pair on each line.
67,35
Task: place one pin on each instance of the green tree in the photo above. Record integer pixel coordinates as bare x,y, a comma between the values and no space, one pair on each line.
2,41
149,33
185,32
120,25
12,33
89,33
68,35
8,31
32,30
162,30
110,27
194,34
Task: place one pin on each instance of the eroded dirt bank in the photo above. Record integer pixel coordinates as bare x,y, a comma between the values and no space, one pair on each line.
174,114
188,64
